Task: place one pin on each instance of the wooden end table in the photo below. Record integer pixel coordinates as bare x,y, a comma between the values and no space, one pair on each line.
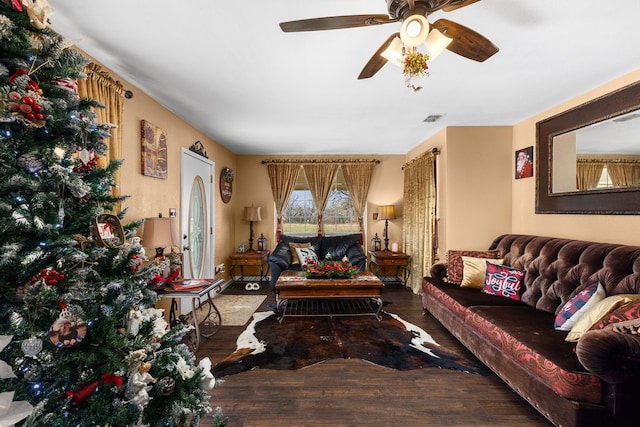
381,262
255,259
298,296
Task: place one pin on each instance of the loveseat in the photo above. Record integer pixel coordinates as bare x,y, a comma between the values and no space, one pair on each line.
592,382
338,246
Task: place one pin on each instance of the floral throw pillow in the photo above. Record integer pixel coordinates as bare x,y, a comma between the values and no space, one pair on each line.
455,265
307,256
503,281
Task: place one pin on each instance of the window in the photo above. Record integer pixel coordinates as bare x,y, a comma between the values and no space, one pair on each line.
605,179
301,214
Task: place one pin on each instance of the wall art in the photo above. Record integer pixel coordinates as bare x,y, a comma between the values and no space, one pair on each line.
524,163
154,151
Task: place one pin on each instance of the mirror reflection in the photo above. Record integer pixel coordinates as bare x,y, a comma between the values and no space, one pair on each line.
602,156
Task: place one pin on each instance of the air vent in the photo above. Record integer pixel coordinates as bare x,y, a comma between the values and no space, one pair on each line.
431,118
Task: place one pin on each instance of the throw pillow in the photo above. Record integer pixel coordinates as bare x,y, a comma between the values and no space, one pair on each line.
503,281
577,306
294,255
475,270
600,312
455,266
306,256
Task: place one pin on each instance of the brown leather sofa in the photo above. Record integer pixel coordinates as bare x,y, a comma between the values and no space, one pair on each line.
517,339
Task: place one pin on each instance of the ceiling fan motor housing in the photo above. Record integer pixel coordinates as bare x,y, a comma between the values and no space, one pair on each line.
402,9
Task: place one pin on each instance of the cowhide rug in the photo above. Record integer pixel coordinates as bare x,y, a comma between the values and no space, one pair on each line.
298,342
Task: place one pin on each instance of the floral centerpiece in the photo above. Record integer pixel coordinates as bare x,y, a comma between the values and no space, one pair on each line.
414,64
328,268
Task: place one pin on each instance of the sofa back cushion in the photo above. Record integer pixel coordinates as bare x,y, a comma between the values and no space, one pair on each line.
338,246
558,269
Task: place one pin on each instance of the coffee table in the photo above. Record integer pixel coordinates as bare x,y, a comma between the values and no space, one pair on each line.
298,296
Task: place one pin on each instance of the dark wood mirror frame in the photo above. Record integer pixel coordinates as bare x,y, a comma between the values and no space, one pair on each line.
624,201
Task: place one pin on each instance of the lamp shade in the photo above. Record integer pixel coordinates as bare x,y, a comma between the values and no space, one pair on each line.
158,233
436,42
386,212
414,30
393,52
251,213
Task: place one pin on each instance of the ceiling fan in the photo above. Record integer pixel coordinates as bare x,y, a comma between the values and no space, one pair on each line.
415,29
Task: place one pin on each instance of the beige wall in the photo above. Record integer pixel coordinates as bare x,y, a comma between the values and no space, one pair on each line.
600,228
253,187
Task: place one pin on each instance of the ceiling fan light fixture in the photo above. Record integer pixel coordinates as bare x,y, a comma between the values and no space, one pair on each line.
393,52
414,30
436,42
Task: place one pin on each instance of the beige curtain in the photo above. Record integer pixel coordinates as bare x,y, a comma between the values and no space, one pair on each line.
283,178
588,174
320,177
357,177
101,87
624,174
419,211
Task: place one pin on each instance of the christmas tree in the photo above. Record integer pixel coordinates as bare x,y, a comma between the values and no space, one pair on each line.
80,341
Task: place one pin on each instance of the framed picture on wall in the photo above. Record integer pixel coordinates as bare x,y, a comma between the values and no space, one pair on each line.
524,163
154,150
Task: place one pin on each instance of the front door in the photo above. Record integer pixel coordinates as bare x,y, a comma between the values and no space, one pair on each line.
196,215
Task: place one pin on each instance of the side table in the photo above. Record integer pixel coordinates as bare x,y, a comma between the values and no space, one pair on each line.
254,259
211,319
382,262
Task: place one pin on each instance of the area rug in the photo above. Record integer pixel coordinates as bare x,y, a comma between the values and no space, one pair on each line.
298,342
236,310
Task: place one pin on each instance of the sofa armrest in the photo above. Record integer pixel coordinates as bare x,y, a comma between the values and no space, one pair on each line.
438,271
281,255
606,352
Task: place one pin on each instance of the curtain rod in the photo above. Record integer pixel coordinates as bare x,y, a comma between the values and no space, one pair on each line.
605,161
93,68
319,161
429,153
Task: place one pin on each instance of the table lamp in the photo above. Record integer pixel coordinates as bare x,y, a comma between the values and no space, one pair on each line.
159,233
386,212
251,214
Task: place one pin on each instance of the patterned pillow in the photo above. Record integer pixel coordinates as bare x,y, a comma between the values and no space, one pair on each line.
294,255
475,270
503,281
600,314
455,265
626,312
306,256
578,306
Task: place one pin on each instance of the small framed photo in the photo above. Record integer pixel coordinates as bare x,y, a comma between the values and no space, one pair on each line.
524,163
154,150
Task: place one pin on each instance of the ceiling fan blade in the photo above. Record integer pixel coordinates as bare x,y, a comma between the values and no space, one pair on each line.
335,22
377,61
466,42
457,4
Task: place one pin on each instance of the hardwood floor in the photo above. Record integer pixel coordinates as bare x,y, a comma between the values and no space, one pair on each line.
349,392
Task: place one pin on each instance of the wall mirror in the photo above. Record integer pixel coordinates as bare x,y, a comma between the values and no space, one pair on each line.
589,157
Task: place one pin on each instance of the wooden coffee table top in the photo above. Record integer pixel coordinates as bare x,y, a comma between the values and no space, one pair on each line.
293,284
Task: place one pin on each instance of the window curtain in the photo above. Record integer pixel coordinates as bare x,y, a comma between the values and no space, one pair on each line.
320,177
419,214
624,174
357,177
101,87
588,174
283,178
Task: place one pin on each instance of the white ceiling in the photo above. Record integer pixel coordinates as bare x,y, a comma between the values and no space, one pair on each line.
226,67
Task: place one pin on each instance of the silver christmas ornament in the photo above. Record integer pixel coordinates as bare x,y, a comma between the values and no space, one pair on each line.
31,346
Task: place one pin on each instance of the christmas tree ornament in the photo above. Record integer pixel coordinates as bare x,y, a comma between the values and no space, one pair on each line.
66,83
134,320
30,162
138,387
67,330
31,346
166,385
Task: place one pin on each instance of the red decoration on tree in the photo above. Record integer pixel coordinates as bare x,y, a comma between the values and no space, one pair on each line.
86,391
51,277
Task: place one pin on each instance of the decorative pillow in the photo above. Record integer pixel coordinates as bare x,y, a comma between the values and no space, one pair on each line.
294,255
475,269
307,255
577,306
503,281
600,312
455,265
